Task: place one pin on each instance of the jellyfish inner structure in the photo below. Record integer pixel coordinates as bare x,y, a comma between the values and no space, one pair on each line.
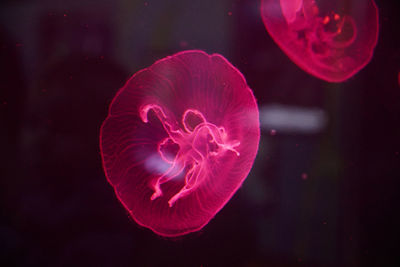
197,141
323,35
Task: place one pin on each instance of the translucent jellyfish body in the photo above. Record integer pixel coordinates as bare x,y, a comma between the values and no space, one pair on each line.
180,138
330,39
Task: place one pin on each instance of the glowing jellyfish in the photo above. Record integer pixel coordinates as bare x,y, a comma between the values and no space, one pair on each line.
330,39
180,138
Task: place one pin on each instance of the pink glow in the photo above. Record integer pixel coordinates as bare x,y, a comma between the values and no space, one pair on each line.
180,138
330,39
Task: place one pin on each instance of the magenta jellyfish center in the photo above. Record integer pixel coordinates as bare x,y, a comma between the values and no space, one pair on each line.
187,150
322,34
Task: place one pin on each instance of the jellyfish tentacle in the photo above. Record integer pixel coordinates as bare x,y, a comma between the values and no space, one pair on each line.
176,168
190,183
144,110
194,146
167,125
219,136
185,117
164,142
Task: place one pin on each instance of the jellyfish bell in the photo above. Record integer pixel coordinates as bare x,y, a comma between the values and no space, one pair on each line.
332,40
180,138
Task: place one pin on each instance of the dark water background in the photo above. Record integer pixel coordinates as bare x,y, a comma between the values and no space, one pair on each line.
63,61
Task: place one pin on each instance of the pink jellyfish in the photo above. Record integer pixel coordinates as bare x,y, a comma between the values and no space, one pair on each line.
180,138
330,39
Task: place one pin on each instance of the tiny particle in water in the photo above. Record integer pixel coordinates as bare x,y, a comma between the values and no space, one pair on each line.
272,132
304,176
183,44
229,13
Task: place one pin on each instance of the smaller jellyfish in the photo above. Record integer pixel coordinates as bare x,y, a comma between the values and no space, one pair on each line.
330,39
180,138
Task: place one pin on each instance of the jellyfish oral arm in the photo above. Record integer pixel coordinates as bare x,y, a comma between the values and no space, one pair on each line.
197,143
190,183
